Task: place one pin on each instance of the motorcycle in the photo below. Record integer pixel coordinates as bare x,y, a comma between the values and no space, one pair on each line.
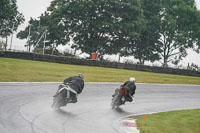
118,97
62,97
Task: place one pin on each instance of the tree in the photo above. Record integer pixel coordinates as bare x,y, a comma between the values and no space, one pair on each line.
147,46
10,18
179,29
127,27
34,33
2,45
46,30
102,26
57,31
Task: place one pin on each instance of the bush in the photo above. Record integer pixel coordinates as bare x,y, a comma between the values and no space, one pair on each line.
193,67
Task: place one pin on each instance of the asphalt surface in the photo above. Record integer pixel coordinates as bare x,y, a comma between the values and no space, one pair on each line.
25,107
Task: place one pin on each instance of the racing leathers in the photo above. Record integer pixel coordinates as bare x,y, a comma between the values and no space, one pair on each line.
130,87
75,84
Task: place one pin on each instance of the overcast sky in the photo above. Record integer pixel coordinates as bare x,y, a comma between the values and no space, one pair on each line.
34,8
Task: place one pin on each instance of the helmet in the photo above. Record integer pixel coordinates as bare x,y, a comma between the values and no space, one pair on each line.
80,75
132,79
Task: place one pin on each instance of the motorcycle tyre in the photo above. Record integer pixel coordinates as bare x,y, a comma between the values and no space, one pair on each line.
116,102
57,103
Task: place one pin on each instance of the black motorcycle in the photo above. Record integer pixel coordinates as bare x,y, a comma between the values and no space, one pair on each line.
62,97
118,97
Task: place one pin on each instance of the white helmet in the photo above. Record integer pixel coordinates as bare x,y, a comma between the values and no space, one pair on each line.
132,79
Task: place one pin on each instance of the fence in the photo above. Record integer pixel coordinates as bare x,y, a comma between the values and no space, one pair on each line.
88,62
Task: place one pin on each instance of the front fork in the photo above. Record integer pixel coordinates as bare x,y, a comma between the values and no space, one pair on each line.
123,100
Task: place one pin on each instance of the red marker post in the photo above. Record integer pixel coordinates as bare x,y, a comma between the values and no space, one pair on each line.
94,56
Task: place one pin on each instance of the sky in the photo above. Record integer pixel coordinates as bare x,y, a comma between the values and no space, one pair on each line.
29,8
34,8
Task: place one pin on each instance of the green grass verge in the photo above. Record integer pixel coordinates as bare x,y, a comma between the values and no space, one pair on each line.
35,71
185,121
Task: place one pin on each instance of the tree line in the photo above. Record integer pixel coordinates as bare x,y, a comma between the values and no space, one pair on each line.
149,30
10,19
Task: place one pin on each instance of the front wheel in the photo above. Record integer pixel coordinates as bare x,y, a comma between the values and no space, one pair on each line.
116,101
57,103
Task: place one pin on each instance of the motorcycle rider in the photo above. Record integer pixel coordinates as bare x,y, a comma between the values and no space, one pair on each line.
76,84
130,89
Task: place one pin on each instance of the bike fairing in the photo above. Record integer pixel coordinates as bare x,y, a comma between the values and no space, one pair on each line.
69,90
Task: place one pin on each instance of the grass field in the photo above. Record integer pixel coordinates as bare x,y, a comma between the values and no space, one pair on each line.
184,121
17,70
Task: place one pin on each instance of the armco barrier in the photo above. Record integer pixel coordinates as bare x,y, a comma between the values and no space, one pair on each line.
75,61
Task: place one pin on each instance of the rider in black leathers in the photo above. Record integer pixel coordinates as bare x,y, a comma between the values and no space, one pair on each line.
76,83
130,87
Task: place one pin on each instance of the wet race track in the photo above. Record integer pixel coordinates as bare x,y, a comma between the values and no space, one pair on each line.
25,107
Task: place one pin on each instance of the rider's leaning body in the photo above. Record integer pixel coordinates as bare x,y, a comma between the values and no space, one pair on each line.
130,87
76,84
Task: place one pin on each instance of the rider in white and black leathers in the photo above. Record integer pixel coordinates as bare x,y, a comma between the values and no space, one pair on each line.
76,83
130,87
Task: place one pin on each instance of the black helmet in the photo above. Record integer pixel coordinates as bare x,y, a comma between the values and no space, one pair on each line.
80,75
